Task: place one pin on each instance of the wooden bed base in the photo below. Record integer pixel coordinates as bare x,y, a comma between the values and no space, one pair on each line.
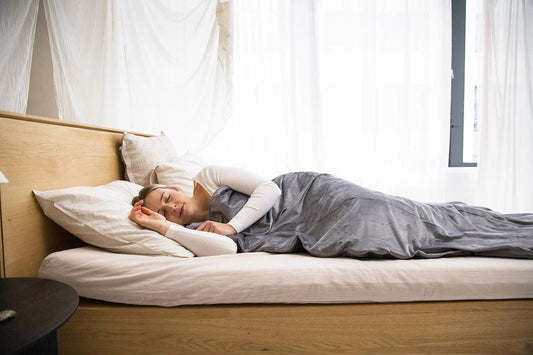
481,327
43,154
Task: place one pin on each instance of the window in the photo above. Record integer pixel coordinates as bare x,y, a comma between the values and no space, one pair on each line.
465,95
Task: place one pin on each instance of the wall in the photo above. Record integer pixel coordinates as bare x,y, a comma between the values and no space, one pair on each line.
41,96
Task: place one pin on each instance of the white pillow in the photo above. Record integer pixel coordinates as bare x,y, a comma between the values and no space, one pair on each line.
99,216
178,173
142,154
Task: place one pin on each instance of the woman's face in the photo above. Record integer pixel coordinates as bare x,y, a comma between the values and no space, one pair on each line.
173,204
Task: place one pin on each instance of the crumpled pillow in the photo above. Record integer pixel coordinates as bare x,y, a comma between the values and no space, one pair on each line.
100,217
178,173
142,154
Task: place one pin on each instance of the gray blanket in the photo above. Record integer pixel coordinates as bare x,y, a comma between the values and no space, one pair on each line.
327,216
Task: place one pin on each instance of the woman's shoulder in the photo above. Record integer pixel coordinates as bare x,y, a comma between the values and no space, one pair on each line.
208,172
219,172
209,178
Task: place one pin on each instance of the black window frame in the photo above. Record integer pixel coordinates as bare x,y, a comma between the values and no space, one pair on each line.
458,86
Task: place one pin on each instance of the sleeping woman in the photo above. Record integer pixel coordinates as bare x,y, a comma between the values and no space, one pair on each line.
232,209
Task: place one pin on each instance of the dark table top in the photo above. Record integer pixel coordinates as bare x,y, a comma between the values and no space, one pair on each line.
42,307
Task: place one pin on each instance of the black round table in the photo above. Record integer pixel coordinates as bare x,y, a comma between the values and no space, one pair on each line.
42,307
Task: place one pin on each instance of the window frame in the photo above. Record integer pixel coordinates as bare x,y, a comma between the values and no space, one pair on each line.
458,86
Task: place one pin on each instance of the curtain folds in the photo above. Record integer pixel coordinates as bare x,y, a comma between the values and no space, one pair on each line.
275,122
385,94
147,66
358,88
18,20
506,152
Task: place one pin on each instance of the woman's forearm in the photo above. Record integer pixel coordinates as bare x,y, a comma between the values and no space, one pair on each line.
260,202
263,193
201,243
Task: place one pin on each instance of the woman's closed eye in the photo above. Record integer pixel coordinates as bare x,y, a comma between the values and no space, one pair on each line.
166,199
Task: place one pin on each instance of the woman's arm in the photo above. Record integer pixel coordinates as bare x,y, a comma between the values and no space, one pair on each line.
199,243
263,193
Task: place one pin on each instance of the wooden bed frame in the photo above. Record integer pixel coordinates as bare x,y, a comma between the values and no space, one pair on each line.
43,154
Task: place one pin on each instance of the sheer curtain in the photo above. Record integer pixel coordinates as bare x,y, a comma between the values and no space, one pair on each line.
360,89
385,94
506,152
147,66
17,32
275,121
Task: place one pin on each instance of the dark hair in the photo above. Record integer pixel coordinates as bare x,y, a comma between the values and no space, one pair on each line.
146,190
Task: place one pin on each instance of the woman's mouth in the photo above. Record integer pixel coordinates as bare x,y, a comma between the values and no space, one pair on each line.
182,209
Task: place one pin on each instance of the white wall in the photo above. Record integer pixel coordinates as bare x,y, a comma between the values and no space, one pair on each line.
41,96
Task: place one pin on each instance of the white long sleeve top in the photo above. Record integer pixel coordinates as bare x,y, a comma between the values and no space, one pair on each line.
263,194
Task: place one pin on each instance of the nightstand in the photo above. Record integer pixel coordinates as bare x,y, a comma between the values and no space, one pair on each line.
42,307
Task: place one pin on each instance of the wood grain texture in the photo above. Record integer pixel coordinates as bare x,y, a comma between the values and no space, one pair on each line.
2,267
40,154
466,327
57,122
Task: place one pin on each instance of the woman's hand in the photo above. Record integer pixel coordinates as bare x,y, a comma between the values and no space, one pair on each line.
149,219
216,227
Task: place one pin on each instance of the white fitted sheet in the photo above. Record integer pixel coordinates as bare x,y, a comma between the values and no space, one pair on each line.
284,278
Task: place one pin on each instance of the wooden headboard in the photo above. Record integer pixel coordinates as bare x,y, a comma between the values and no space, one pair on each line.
43,154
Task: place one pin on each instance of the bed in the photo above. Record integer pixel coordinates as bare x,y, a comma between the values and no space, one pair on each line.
460,305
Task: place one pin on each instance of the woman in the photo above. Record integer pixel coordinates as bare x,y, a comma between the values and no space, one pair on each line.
324,216
156,206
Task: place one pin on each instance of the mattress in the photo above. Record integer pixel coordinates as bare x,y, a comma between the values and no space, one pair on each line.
284,278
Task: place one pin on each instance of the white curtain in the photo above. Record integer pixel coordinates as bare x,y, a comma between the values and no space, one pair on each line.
357,88
506,152
17,32
147,66
274,125
385,94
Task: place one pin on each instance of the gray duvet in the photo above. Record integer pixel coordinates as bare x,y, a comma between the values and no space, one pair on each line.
327,216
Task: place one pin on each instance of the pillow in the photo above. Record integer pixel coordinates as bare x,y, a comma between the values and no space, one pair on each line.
178,173
100,216
142,154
